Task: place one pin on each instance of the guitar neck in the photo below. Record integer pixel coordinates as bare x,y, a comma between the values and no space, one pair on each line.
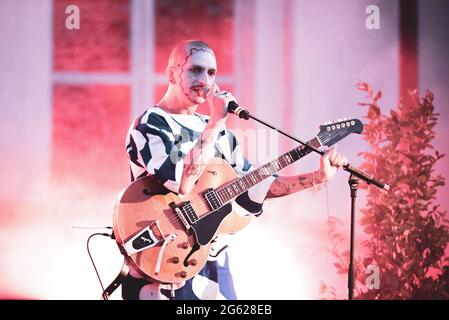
238,186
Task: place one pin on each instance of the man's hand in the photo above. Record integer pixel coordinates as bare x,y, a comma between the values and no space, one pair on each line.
330,162
218,103
204,150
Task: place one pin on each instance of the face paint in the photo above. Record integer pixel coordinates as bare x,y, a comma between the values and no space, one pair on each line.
198,75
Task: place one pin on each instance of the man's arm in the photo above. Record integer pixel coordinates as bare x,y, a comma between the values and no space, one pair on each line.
198,158
329,163
283,186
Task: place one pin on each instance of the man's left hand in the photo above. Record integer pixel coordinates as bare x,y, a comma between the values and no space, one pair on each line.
330,162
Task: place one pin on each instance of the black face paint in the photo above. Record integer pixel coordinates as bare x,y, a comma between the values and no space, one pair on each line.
192,51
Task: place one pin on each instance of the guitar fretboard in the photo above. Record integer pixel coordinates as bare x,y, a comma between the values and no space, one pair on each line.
238,186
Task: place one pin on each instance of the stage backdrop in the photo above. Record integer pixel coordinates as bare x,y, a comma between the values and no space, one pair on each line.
68,93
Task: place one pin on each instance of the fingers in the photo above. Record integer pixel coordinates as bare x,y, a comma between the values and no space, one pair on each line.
332,155
221,94
335,159
329,152
212,90
218,102
215,91
339,161
227,96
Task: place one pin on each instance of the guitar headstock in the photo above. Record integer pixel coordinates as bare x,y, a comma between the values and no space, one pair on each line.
331,133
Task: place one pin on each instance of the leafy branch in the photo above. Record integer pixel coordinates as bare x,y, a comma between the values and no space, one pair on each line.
408,231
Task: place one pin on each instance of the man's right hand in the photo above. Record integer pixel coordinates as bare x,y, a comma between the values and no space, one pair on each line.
218,103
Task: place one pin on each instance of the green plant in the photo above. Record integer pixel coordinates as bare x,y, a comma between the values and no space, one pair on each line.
408,231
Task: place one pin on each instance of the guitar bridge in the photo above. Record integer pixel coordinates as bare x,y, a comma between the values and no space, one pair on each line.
185,213
180,215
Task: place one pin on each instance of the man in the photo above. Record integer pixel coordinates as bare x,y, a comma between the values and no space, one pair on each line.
173,143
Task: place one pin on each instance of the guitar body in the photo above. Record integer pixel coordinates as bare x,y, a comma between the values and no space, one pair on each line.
168,252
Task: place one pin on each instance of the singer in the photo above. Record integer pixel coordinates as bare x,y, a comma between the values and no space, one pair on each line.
173,143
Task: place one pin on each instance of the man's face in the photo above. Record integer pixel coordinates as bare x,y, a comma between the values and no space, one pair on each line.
197,75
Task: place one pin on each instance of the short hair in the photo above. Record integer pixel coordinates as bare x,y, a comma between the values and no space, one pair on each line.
183,50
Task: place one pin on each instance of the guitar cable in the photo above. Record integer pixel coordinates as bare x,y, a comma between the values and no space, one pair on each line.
110,235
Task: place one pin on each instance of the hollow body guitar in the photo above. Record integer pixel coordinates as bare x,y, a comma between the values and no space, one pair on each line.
168,237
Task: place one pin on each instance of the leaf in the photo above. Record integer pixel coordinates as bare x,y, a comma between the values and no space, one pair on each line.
362,104
406,230
378,96
338,266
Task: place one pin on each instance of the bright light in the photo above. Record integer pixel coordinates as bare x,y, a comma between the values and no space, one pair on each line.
264,267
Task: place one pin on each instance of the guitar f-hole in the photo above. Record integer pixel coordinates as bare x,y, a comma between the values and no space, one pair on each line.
195,248
148,193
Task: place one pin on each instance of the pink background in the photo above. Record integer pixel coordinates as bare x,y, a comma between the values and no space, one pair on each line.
67,98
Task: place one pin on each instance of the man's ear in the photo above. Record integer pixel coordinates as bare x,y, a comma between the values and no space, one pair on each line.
171,74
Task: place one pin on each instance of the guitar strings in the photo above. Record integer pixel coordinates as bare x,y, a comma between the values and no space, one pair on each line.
222,194
173,217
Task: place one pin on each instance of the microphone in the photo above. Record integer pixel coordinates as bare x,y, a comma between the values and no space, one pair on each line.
364,176
234,108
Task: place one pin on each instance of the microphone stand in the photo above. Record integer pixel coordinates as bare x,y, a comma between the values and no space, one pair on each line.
353,184
356,174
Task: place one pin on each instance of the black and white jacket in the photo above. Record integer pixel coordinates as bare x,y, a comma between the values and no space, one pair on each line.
157,142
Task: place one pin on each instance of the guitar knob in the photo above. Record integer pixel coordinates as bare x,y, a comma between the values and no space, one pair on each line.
193,262
175,260
183,274
185,245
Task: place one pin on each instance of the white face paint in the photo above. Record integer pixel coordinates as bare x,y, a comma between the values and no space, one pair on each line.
198,75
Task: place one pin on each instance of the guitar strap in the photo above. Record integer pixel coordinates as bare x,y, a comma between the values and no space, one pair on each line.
123,272
117,281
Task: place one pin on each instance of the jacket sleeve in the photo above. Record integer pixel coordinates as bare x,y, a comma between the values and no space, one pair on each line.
153,150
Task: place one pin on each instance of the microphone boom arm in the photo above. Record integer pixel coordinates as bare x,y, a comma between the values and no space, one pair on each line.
243,113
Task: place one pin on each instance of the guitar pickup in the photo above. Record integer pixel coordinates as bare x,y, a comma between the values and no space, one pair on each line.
212,199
